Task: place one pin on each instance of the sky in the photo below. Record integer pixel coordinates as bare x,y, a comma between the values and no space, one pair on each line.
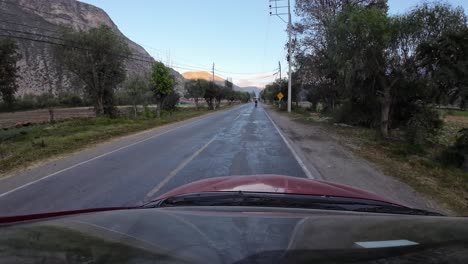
239,36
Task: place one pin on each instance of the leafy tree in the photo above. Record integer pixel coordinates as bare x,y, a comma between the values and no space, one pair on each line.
221,94
162,84
136,89
244,97
195,89
228,84
231,96
210,94
352,56
171,101
362,37
97,57
9,56
271,90
445,60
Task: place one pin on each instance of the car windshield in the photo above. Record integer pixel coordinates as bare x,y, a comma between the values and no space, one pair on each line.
281,112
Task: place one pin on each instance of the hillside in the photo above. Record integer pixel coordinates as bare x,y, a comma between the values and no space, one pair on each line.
201,75
33,19
193,75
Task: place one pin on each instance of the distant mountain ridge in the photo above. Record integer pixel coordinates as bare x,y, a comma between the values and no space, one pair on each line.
39,70
193,75
201,75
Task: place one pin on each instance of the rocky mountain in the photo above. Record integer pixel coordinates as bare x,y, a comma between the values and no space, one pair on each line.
39,70
193,75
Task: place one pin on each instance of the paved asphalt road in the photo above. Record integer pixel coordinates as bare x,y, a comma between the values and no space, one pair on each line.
239,141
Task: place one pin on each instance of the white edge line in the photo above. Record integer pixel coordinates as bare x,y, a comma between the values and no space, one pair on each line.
298,159
100,156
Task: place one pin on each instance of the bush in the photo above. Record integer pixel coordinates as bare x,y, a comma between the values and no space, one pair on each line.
423,126
357,113
72,100
457,155
170,102
147,113
33,101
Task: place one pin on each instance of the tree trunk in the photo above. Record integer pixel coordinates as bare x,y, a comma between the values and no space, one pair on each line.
135,111
384,120
99,107
196,103
51,115
386,104
209,102
158,109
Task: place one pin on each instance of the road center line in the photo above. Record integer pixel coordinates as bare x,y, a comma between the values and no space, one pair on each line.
298,159
107,153
178,169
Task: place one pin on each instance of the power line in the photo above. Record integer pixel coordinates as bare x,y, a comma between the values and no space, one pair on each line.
245,73
75,47
137,58
40,11
24,25
181,65
61,39
31,33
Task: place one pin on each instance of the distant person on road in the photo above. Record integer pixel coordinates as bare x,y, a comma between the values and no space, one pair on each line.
256,102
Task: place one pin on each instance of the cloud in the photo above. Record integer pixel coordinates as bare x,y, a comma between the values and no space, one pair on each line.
255,80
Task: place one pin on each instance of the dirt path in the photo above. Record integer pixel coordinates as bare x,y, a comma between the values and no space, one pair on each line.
329,161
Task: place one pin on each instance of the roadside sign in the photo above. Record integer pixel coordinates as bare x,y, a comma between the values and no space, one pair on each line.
280,95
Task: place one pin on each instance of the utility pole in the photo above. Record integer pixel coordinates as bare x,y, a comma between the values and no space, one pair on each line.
289,56
279,68
213,73
280,11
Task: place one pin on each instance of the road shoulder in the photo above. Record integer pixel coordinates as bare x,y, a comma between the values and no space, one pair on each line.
328,160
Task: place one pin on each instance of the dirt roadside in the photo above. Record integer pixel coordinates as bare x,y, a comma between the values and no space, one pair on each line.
328,160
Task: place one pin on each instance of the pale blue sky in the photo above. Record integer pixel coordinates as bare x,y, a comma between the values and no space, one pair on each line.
239,36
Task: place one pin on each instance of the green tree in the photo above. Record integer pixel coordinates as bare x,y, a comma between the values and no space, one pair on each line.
195,89
9,56
171,101
221,94
362,37
228,84
352,56
445,61
211,92
162,84
135,89
231,96
97,57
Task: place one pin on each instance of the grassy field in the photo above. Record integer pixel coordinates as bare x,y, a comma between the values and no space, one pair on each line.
21,147
417,166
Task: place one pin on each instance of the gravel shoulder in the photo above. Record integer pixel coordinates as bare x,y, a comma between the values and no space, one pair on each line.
329,160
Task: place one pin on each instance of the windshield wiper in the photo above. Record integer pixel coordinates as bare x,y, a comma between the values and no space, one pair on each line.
286,201
396,210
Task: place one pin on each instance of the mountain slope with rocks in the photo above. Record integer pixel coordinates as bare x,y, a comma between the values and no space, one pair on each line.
36,19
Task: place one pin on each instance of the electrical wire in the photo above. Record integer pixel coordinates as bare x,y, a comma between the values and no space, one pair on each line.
143,58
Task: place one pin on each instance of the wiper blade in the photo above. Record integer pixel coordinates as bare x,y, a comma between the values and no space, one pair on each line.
396,210
286,201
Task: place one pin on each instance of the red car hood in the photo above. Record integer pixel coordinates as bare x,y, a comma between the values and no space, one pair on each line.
274,184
